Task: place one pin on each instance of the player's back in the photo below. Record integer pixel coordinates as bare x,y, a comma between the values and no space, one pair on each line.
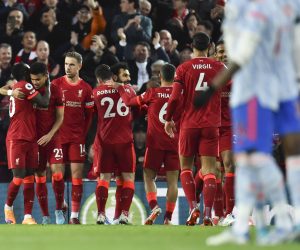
23,121
114,117
196,75
157,101
77,97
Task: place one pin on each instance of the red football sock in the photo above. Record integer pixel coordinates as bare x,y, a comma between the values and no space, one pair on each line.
13,190
170,206
209,191
218,202
101,195
229,192
127,195
189,187
28,192
58,185
199,185
118,209
152,199
42,194
77,189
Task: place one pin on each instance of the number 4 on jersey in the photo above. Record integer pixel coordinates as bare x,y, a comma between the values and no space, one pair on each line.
201,84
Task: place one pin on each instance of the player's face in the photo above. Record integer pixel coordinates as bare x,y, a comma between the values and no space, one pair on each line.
221,53
5,56
29,40
124,76
72,67
42,50
38,80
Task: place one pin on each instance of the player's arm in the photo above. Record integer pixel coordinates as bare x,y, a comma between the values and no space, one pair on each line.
173,103
89,110
42,100
8,91
128,99
44,140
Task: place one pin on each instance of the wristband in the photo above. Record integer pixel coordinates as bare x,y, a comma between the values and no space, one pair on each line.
9,92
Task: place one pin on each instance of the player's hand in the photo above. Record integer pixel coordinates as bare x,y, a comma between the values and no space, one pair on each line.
170,128
17,93
44,140
202,98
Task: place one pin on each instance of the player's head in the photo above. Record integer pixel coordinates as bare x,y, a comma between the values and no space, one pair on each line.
103,73
121,72
38,74
73,63
20,71
167,73
201,42
220,53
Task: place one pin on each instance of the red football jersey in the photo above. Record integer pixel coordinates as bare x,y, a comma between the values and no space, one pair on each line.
157,101
225,109
77,98
114,117
46,116
23,122
196,75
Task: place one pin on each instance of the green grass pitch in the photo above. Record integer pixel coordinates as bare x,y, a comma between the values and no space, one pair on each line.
93,237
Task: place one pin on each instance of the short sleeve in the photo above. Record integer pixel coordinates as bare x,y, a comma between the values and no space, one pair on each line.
58,96
29,91
89,99
179,75
146,97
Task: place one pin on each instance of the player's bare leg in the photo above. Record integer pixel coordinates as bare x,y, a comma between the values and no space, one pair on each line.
126,196
58,185
172,193
42,194
189,188
219,198
228,163
12,192
101,197
151,194
77,189
208,170
28,192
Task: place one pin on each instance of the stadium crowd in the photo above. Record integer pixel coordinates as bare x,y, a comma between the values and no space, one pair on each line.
112,65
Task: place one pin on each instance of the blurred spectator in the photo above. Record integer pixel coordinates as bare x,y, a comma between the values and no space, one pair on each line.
5,63
27,54
185,54
190,24
52,31
43,51
145,7
154,81
31,6
131,24
140,66
170,46
90,22
205,27
13,30
96,55
6,6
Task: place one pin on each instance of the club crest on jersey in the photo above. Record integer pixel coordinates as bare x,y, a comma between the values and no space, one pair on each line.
17,161
80,93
